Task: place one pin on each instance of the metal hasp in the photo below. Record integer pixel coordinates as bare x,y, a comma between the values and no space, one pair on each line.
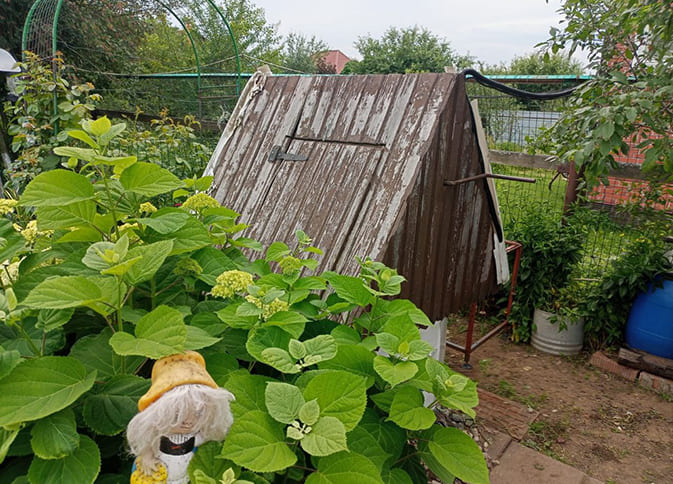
278,155
450,183
469,347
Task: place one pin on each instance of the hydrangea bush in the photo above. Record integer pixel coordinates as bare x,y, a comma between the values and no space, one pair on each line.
333,382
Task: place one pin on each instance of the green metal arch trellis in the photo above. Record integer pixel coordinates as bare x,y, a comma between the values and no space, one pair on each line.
40,35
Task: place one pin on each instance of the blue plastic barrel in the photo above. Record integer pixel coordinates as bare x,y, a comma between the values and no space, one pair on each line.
650,324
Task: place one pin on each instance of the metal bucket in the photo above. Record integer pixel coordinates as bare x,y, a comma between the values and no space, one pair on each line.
546,336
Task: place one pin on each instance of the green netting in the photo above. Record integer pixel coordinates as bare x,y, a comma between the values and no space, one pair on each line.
40,29
207,44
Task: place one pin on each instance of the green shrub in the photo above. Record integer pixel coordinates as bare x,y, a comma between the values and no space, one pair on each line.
170,143
33,126
328,371
550,253
607,302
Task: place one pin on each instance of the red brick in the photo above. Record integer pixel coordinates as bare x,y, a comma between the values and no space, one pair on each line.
655,382
599,360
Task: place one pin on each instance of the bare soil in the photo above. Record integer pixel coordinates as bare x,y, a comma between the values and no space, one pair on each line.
610,428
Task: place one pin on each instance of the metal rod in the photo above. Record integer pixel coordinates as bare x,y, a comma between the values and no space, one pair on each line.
337,141
469,347
451,183
517,247
489,335
470,333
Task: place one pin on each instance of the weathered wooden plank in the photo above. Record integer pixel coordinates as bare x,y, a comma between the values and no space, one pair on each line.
235,165
545,162
641,360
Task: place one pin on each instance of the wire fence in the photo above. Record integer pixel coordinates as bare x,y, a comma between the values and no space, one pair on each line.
613,216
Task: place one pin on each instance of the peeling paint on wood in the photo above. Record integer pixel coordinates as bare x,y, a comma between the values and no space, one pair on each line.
379,149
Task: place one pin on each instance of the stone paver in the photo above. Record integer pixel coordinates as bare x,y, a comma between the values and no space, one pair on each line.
599,360
520,464
655,382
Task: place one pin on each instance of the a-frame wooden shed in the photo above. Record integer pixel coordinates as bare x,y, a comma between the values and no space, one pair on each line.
360,164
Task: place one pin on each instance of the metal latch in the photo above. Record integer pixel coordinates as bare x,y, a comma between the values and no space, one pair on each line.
278,155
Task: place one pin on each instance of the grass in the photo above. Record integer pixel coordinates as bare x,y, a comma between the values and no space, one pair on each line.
507,390
543,436
607,236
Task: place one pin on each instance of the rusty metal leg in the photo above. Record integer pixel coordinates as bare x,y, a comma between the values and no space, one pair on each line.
470,333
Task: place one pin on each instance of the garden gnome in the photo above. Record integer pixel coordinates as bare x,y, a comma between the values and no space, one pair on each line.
183,408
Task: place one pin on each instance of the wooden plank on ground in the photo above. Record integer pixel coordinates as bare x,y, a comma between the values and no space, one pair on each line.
645,361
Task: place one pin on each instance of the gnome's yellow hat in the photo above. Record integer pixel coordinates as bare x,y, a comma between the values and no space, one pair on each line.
175,370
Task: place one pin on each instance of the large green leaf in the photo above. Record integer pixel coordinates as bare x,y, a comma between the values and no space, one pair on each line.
11,241
281,360
76,214
7,438
249,391
152,258
260,339
55,436
213,262
111,291
394,373
345,468
396,476
37,388
8,361
82,466
57,188
220,365
95,353
408,411
339,394
353,358
148,179
109,410
351,289
209,461
165,223
192,236
51,319
403,327
291,321
12,339
447,449
198,338
229,315
363,441
389,436
283,401
323,346
257,442
159,333
63,292
327,436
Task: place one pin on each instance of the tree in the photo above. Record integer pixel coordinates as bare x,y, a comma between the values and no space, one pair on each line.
538,63
412,49
301,53
629,45
12,15
547,64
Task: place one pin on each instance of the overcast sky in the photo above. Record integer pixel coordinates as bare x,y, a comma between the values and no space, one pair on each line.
494,31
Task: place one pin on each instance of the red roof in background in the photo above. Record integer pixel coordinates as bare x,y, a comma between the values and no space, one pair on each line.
337,59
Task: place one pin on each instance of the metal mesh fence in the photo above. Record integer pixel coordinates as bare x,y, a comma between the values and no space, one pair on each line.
612,216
